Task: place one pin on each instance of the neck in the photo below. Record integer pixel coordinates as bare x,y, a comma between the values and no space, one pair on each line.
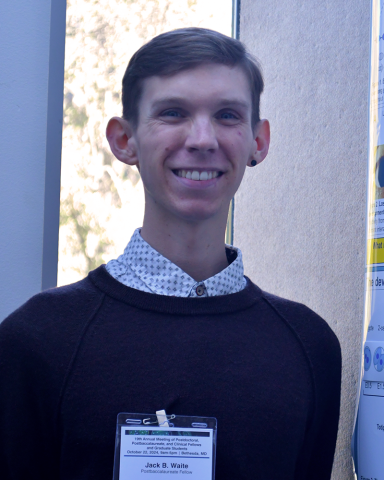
198,248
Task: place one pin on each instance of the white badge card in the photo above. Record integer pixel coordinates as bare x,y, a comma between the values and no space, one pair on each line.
179,447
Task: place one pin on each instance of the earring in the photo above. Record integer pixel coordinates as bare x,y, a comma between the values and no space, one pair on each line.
253,163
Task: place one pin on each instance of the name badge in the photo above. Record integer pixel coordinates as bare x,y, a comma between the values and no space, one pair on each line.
178,447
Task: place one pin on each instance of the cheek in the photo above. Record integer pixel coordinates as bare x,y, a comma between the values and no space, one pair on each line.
157,148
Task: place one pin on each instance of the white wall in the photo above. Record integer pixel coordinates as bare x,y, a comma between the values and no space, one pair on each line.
300,216
26,120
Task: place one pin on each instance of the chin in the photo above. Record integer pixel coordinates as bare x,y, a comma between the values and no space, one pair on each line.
196,214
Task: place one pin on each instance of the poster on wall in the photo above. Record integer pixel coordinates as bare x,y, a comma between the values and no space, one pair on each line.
368,441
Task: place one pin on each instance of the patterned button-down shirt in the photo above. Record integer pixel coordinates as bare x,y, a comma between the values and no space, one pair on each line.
143,268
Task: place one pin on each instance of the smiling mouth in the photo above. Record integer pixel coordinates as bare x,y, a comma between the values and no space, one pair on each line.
198,176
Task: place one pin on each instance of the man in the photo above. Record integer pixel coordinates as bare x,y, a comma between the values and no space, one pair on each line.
173,324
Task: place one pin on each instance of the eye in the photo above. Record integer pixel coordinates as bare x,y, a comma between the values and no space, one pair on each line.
171,113
228,116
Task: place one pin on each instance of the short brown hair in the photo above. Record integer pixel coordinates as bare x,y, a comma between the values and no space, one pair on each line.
183,49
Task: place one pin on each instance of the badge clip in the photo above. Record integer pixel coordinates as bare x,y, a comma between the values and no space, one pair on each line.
162,419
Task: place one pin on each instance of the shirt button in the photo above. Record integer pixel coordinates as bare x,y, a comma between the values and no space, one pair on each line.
200,290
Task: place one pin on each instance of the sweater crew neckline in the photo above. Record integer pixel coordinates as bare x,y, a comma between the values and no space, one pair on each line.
175,305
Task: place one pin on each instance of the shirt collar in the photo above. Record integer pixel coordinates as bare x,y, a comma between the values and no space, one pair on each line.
163,277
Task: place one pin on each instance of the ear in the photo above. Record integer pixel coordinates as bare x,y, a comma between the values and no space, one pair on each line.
121,140
262,137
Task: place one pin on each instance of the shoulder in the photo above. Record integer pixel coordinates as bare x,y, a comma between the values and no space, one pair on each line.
51,319
61,301
307,325
319,343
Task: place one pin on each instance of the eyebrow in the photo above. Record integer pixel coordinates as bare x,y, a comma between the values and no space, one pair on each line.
180,101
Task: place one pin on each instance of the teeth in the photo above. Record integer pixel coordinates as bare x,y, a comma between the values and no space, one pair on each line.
195,175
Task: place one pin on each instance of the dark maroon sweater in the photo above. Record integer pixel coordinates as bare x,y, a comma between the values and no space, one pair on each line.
72,358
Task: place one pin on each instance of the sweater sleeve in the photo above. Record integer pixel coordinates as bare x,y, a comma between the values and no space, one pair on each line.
37,343
322,350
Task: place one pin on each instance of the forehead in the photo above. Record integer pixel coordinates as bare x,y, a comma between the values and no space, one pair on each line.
210,83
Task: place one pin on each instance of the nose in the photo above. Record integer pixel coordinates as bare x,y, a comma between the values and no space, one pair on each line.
202,135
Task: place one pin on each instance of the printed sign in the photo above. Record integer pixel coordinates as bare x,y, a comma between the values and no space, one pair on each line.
368,441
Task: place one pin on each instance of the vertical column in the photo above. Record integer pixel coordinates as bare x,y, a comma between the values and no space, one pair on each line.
53,144
300,215
32,39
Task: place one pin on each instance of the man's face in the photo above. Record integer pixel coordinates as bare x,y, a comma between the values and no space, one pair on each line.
193,140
